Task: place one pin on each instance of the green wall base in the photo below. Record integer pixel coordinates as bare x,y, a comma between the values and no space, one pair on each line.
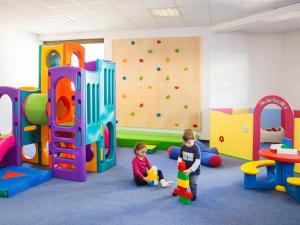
162,140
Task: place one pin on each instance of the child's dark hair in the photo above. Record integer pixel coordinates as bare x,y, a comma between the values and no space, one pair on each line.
188,134
139,146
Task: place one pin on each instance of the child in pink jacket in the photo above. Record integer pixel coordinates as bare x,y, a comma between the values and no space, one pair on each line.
141,165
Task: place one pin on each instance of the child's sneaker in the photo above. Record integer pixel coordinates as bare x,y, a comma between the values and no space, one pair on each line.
165,183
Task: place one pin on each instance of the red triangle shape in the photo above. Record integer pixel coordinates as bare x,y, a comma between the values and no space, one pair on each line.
12,174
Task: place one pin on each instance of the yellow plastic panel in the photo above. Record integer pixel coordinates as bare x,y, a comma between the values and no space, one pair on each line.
240,111
297,141
150,147
251,167
30,128
183,183
44,142
91,166
232,134
28,88
294,181
46,50
280,188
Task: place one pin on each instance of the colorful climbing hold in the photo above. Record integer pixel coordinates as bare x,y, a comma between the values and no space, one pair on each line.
117,121
124,96
221,139
124,77
141,60
195,125
177,50
167,78
185,106
176,87
158,114
158,41
124,60
176,124
149,87
186,68
132,42
150,51
141,78
132,113
141,105
167,59
158,69
168,97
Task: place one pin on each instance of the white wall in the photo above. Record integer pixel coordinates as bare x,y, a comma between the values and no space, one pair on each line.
291,74
237,69
229,74
266,66
244,68
18,66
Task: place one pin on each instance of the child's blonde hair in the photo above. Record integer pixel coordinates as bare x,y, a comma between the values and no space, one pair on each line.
139,146
188,134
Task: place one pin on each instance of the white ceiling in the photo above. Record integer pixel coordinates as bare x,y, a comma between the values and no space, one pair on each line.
93,15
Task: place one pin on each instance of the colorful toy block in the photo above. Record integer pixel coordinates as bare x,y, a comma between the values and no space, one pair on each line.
152,176
183,184
182,176
151,149
184,200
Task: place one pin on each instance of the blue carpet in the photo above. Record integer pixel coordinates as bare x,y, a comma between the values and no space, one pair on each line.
113,198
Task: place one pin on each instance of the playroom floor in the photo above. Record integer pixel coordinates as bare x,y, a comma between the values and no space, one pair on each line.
113,198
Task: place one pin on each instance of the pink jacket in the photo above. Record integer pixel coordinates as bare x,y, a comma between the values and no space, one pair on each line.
140,167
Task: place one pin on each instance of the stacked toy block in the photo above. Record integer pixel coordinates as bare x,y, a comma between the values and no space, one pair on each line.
152,176
285,147
183,183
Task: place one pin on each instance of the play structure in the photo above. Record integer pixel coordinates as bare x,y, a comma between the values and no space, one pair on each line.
241,132
183,183
209,156
68,123
280,164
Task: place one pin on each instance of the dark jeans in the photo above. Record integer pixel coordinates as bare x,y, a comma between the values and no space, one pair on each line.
193,184
140,181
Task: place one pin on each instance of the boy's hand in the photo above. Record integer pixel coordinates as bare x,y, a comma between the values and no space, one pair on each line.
147,180
188,171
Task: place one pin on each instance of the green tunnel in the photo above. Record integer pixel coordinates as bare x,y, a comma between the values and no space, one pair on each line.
35,108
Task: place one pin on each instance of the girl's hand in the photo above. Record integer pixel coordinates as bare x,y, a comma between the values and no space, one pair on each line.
146,180
188,171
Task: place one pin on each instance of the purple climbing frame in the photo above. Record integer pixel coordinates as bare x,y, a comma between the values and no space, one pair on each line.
13,156
76,75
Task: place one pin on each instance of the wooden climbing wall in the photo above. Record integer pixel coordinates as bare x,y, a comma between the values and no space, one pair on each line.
158,82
